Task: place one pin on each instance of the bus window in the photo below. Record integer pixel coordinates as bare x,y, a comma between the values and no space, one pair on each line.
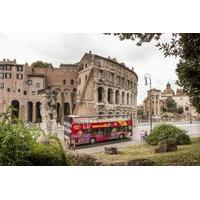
114,130
107,131
87,131
100,131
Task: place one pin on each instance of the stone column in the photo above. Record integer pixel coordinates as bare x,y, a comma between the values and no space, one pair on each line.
22,113
105,100
34,113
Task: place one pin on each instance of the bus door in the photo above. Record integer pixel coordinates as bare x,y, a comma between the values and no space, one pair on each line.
107,133
99,134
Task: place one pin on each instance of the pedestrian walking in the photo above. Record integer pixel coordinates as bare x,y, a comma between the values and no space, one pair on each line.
142,136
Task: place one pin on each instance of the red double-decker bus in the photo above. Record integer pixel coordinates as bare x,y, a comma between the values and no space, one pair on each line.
97,128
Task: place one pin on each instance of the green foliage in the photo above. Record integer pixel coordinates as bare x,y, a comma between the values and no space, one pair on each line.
16,142
50,153
140,112
166,131
19,145
171,105
189,75
40,64
183,139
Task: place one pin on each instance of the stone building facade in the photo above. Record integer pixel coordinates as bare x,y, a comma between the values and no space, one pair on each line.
95,85
105,86
159,98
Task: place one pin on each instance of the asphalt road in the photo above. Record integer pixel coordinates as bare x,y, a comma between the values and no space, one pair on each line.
192,129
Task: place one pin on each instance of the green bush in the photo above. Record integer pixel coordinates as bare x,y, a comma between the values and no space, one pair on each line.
50,153
19,145
16,142
166,131
183,139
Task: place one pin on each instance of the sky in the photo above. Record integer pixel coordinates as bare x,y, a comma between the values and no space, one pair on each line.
69,48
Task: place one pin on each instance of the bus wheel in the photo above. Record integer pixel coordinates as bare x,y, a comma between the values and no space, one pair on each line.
92,141
121,136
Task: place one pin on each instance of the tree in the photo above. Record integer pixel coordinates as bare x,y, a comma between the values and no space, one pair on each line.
41,64
185,46
171,105
140,113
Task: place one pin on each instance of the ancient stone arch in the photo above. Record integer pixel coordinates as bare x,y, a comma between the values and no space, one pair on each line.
117,96
100,96
30,111
15,104
110,96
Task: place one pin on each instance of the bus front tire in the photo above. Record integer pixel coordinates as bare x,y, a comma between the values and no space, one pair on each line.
121,136
92,141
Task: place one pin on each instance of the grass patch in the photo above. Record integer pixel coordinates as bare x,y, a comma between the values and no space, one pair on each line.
187,155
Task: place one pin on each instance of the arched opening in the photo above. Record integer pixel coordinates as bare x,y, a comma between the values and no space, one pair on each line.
100,94
123,95
127,98
117,97
30,112
38,117
58,111
66,109
101,113
110,95
15,111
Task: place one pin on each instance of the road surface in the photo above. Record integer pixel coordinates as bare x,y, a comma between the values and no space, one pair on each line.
192,129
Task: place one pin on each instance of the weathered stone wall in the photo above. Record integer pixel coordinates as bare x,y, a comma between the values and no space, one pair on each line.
78,87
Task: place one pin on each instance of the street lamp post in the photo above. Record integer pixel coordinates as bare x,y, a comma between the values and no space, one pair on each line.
146,77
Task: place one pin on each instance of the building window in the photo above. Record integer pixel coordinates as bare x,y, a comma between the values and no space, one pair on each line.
110,95
1,67
100,94
30,82
19,76
19,90
1,75
64,82
37,85
33,92
72,82
7,75
100,74
122,80
111,77
8,89
19,68
7,68
117,97
25,92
